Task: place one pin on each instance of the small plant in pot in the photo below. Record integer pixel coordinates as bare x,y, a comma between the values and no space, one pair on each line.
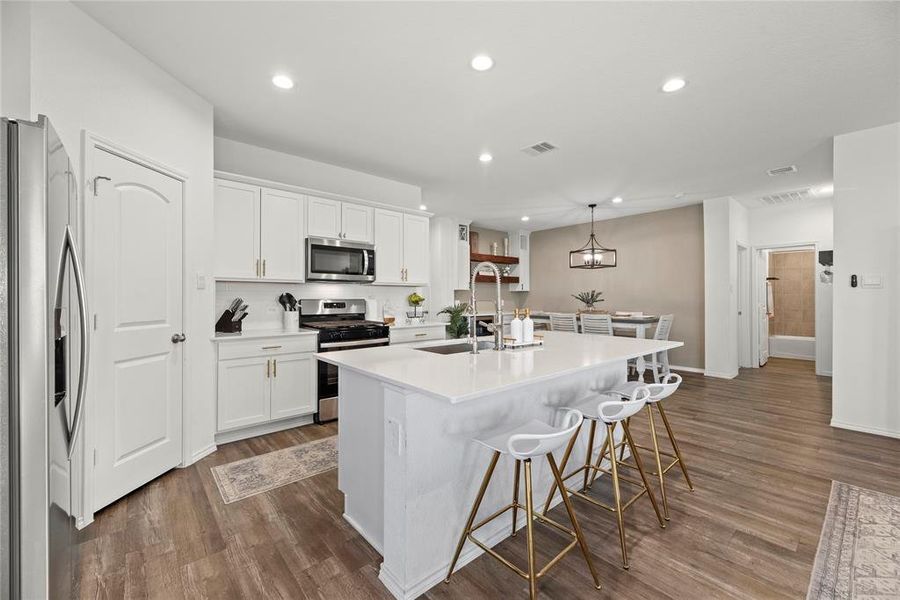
415,300
589,299
459,325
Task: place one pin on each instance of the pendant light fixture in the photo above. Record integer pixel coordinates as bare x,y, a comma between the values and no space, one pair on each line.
592,255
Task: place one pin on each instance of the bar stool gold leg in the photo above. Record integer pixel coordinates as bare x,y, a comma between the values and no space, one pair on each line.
687,477
468,527
589,455
622,449
529,525
640,466
659,469
598,464
515,508
615,481
578,533
565,461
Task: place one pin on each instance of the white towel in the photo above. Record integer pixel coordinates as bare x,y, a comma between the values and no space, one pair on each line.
770,300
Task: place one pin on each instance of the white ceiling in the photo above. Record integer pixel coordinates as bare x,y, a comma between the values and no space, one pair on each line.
386,88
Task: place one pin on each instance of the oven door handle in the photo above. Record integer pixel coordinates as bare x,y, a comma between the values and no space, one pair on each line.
353,344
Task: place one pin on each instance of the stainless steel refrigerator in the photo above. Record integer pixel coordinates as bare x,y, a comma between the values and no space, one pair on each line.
43,360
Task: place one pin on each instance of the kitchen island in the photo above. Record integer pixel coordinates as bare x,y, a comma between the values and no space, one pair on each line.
407,465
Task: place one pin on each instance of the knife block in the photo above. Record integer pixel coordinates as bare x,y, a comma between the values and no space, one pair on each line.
226,325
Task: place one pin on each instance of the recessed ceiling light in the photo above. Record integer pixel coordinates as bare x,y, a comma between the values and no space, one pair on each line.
673,85
485,157
482,62
525,218
283,81
617,200
423,207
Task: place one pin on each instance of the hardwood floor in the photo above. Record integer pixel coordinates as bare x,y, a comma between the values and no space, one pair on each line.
759,450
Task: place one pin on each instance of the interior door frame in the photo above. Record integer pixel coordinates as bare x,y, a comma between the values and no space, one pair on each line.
90,142
744,296
754,289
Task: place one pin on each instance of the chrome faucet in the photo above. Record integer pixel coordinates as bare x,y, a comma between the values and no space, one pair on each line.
497,326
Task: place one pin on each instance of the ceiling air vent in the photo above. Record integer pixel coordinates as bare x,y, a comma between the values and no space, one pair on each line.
539,148
782,170
791,197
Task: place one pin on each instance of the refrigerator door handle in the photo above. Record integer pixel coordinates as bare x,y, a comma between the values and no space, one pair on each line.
70,250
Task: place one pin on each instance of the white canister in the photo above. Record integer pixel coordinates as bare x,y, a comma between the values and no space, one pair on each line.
291,320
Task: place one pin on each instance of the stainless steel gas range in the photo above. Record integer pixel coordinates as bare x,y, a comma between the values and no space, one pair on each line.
341,325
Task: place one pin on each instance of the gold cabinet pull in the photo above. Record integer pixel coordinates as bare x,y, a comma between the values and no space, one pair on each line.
264,267
257,267
421,334
271,347
268,363
275,368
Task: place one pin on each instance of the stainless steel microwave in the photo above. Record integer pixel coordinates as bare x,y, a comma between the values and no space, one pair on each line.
339,260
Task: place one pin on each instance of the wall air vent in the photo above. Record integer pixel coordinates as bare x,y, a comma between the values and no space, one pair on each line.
539,148
782,198
782,170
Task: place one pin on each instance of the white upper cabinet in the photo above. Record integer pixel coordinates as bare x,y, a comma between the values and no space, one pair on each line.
388,246
323,217
357,222
416,247
402,248
237,230
341,220
281,235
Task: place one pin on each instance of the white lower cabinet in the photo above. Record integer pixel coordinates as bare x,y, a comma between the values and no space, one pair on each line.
263,382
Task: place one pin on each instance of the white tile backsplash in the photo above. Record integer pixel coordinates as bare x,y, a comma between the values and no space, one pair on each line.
265,312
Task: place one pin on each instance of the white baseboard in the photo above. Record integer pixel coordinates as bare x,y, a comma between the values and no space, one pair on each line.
262,429
685,369
200,454
872,430
792,356
823,373
720,375
365,534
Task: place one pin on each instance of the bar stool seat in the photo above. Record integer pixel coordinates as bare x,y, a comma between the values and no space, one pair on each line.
525,442
612,410
666,386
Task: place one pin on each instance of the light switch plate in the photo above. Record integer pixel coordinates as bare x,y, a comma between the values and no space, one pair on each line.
872,281
201,281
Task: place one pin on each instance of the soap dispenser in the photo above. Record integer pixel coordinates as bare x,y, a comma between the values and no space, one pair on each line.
515,328
527,328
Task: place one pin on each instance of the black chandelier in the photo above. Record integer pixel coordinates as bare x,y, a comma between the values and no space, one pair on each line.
592,255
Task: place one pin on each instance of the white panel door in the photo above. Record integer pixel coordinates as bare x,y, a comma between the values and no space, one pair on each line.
293,385
136,279
236,208
243,392
416,249
323,217
281,237
356,222
388,246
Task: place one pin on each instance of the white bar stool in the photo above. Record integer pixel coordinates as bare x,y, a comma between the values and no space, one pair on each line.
659,392
524,443
612,413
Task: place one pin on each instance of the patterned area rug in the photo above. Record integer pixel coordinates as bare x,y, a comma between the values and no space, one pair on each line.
859,550
250,476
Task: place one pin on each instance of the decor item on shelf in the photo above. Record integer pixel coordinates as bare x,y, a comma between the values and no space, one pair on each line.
505,270
495,247
415,300
473,242
589,299
592,255
506,246
459,325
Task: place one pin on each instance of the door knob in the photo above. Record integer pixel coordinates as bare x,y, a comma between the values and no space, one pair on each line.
178,337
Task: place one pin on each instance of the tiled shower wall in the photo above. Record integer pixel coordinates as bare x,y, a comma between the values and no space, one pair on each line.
794,292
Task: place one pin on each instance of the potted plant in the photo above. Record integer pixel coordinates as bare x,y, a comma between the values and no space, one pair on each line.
589,299
459,325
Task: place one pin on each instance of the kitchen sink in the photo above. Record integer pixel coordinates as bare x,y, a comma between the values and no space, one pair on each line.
457,348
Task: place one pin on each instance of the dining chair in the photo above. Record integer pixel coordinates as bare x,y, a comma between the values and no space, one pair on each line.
596,324
563,322
661,359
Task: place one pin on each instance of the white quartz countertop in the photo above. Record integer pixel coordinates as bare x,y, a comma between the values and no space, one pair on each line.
262,333
464,376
